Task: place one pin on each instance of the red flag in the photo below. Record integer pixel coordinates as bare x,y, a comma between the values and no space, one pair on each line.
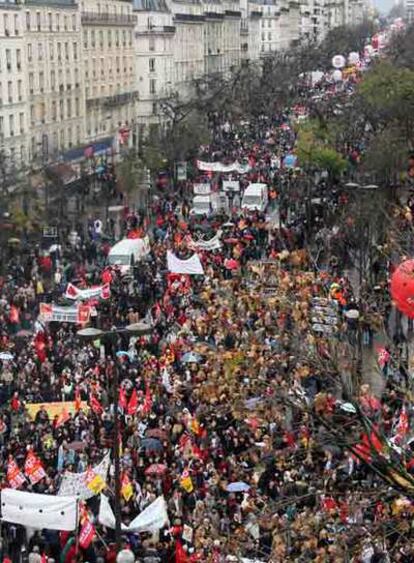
403,425
78,400
62,418
15,477
71,291
43,558
87,532
95,405
133,403
33,468
122,401
180,553
147,401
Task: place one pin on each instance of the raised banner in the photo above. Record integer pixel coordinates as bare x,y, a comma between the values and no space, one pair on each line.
223,168
76,484
152,518
191,266
79,314
38,511
211,244
55,409
76,294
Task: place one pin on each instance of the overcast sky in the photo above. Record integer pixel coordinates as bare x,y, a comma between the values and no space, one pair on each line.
384,6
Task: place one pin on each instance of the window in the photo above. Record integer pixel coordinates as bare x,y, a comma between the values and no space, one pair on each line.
76,78
68,80
75,51
8,59
58,22
50,21
16,24
22,153
11,125
42,112
85,39
69,137
19,59
124,38
67,51
109,38
28,21
62,139
52,51
42,81
29,52
21,122
77,107
52,80
117,38
40,51
19,90
31,82
69,108
6,25
74,22
54,111
10,92
152,65
93,38
59,51
38,21
130,38
78,135
61,110
1,94
101,39
65,23
152,86
151,45
1,126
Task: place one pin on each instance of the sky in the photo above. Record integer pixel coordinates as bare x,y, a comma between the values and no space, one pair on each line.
384,6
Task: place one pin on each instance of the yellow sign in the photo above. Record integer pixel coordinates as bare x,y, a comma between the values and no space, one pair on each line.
54,409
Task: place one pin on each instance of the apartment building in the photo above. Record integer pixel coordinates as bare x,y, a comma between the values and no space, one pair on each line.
54,82
110,87
13,99
154,35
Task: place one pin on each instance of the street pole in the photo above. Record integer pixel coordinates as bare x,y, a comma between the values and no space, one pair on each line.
117,464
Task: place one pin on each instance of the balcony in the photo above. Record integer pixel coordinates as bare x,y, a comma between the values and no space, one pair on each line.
112,101
93,18
154,29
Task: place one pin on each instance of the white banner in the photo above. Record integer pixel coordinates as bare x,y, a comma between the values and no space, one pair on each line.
151,519
201,189
191,266
76,294
212,244
39,511
78,314
224,168
74,484
231,186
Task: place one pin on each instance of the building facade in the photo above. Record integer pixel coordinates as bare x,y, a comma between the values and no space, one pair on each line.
109,73
13,94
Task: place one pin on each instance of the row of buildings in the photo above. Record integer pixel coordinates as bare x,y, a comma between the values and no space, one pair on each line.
91,74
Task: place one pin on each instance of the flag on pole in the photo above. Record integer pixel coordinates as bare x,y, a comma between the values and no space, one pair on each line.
133,403
186,482
78,400
94,481
15,477
33,468
122,401
126,487
95,405
62,418
87,531
146,409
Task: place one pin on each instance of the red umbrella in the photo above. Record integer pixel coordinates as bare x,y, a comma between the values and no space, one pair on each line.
231,240
231,264
156,469
248,236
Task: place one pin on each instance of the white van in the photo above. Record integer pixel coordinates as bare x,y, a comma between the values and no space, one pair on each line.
127,252
207,204
255,197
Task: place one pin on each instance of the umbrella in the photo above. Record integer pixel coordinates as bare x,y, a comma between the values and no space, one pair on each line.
122,353
24,333
156,433
231,264
191,358
77,446
151,444
237,487
6,356
156,469
248,236
228,225
14,241
231,240
290,160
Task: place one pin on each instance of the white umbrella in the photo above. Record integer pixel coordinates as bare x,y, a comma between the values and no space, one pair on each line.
237,487
6,356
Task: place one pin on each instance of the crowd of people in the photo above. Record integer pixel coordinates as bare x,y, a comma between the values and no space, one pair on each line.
246,403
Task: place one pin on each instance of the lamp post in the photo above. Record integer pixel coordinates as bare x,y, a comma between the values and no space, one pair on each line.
91,333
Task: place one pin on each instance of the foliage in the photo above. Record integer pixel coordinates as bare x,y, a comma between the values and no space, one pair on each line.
400,51
314,150
386,154
129,173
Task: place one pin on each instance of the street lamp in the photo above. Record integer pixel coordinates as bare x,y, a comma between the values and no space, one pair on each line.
91,333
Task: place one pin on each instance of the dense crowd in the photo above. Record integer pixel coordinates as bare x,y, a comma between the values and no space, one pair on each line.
241,392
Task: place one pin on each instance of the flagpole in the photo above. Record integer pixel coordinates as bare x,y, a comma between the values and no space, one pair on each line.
77,530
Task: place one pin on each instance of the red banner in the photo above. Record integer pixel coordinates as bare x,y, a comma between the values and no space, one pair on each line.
33,468
15,477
